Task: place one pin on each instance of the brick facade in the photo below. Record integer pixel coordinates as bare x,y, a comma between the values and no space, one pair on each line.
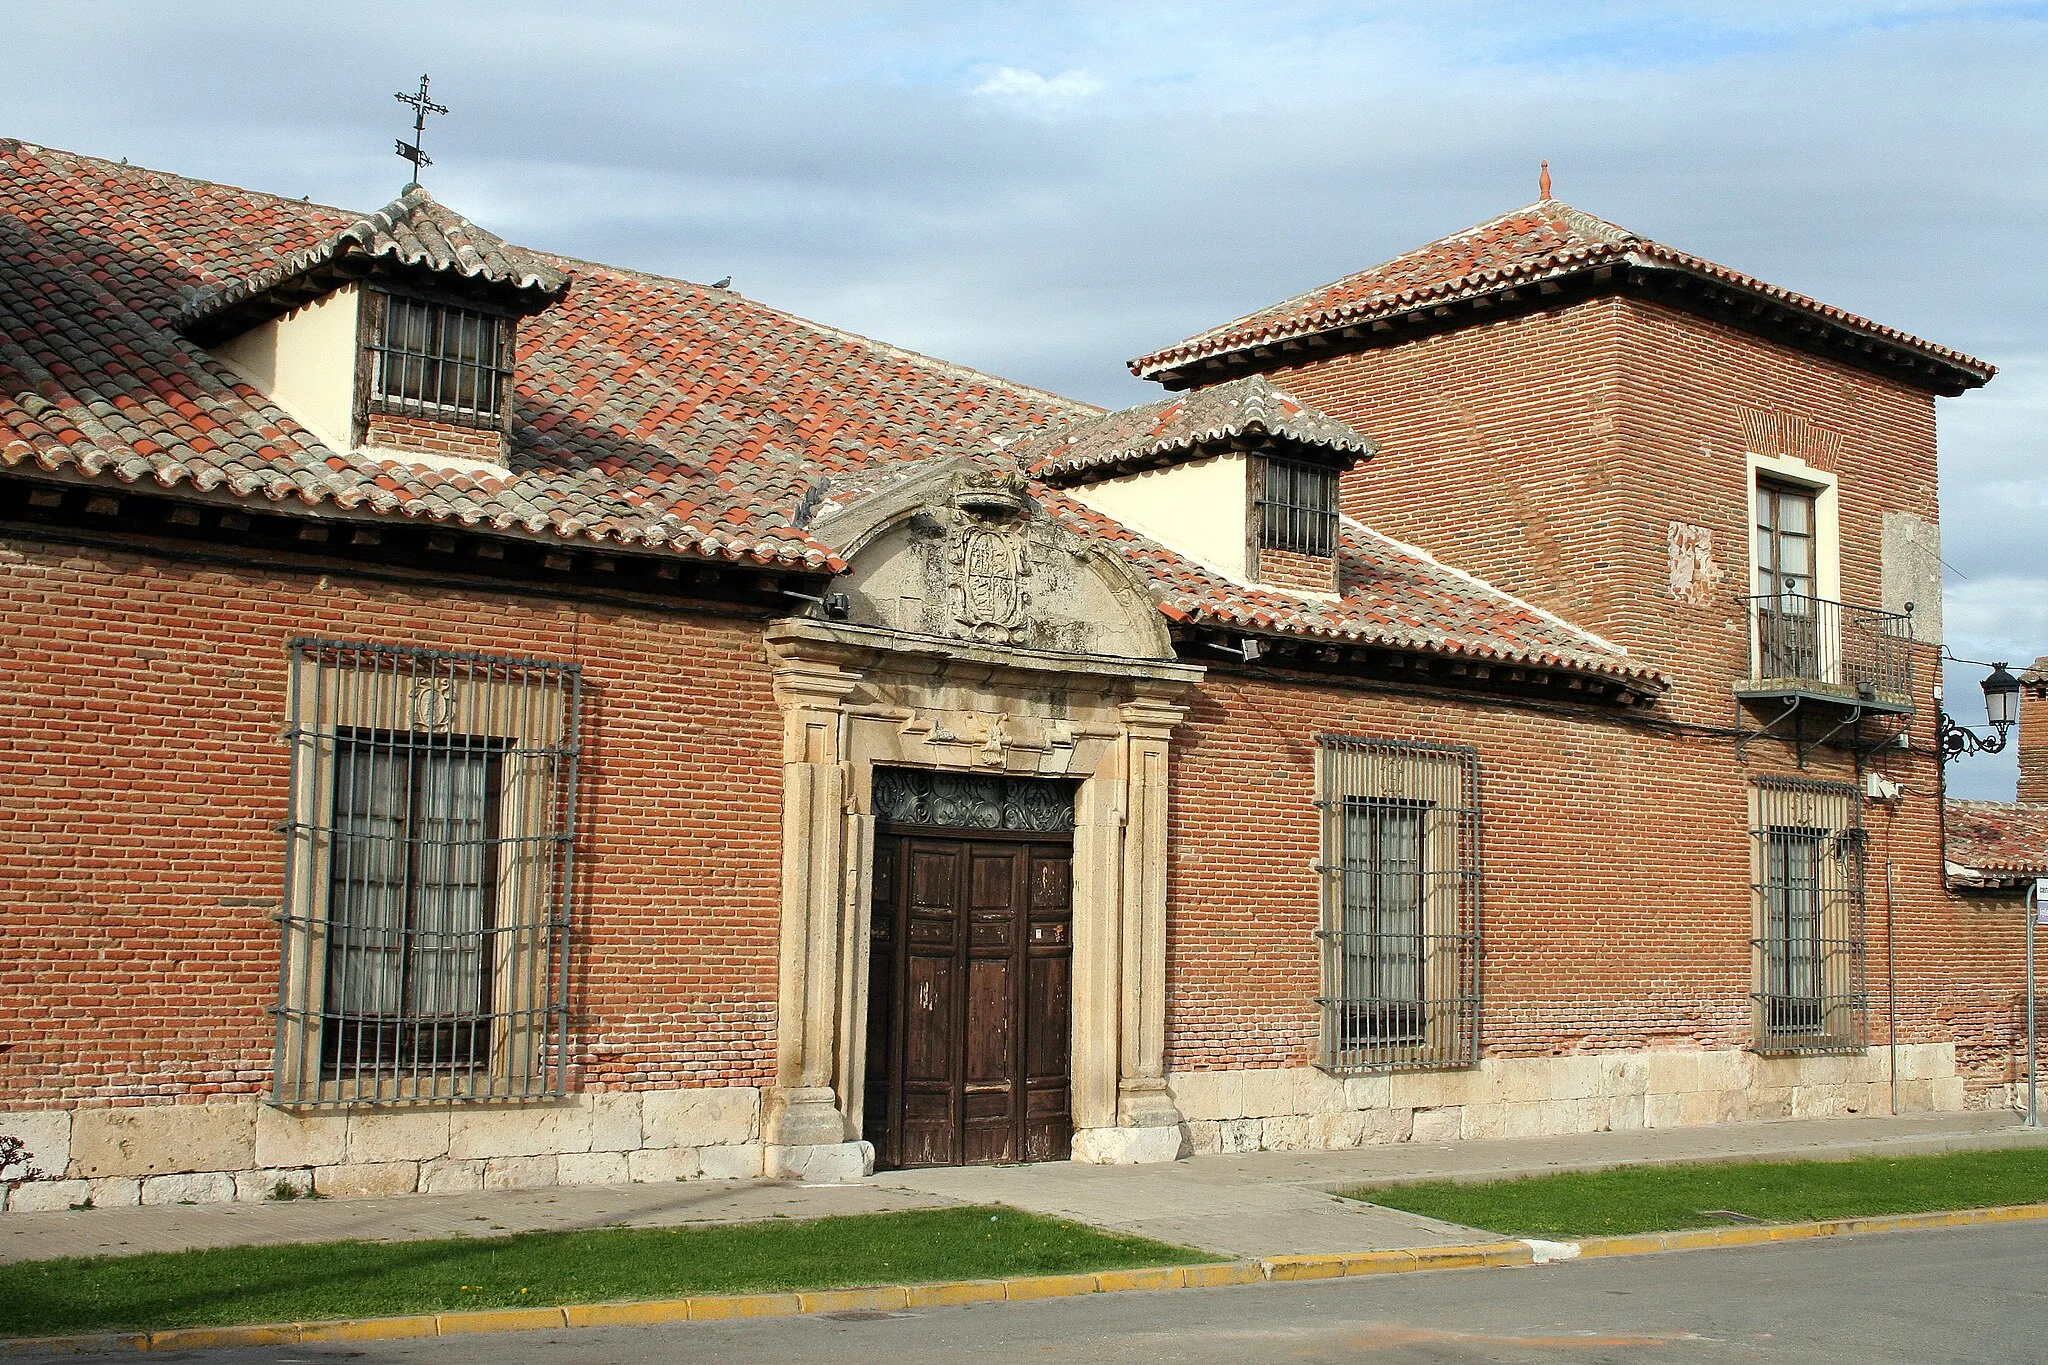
417,436
2032,739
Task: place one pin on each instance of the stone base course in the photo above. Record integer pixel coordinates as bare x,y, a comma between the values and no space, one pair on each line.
217,1153
1302,1108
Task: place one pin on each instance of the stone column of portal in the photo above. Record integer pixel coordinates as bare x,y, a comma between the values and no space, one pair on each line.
1148,1125
806,1131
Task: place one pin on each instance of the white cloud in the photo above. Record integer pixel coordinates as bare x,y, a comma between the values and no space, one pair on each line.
1029,91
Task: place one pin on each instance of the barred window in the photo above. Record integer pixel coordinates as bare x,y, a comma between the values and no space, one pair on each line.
1298,509
428,870
440,361
1401,877
1808,889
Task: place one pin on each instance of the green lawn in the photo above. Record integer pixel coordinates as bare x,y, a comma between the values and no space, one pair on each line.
365,1279
1666,1198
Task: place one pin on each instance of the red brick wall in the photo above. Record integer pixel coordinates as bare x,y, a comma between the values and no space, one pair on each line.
144,778
2032,739
1550,454
1617,914
414,435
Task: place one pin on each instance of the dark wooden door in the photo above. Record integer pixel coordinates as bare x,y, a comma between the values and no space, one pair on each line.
969,998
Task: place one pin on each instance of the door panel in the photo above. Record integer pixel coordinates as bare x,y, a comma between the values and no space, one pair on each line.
969,1001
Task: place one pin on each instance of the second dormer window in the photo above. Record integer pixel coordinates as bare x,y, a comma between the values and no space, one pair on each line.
1298,510
440,361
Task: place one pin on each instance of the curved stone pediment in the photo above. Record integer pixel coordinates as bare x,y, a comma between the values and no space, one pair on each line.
965,553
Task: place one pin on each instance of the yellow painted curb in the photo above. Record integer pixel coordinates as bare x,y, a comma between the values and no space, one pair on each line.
650,1313
955,1292
1049,1286
711,1309
498,1320
370,1329
888,1298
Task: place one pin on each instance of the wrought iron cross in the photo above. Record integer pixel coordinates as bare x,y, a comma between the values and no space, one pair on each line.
421,107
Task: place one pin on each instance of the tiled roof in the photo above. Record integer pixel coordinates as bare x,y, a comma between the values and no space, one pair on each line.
1393,596
647,412
1542,241
1179,427
1997,841
413,231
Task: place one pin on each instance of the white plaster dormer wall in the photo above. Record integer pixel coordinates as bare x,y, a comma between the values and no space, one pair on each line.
1199,508
305,362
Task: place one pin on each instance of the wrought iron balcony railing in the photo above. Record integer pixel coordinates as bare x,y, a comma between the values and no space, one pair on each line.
1810,646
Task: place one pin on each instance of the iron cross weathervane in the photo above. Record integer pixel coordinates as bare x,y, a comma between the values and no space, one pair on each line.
421,107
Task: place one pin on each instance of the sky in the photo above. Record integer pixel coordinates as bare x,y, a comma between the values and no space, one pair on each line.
1043,191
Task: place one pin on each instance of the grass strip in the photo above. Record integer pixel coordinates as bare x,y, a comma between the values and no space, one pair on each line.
1630,1199
538,1269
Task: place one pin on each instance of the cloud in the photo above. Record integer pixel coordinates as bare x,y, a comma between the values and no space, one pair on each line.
1033,93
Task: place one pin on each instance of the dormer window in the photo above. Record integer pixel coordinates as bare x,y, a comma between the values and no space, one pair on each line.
1298,509
439,361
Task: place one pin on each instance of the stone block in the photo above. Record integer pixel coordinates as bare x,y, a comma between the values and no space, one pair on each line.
1389,1125
1525,1118
1671,1072
192,1187
1527,1080
590,1168
1207,1094
838,1163
519,1172
662,1164
1625,1112
1285,1133
1482,1121
47,1135
1725,1068
1368,1092
1926,1061
1772,1103
1318,1092
1268,1092
1579,1077
450,1175
163,1139
615,1122
1438,1125
1436,1089
114,1192
711,1117
1128,1146
352,1180
1660,1110
1239,1135
1698,1106
255,1187
519,1130
1337,1132
1624,1073
743,1161
1203,1136
397,1135
48,1196
286,1139
1947,1094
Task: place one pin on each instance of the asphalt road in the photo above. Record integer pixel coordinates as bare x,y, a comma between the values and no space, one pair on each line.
1964,1294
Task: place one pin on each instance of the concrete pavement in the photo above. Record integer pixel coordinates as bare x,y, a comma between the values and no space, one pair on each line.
1254,1205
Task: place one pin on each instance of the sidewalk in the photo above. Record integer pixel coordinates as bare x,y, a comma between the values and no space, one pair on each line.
1254,1205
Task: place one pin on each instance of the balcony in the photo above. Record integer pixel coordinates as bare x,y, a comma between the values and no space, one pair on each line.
1817,668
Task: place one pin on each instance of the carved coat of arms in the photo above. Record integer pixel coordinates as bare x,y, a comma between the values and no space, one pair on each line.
988,561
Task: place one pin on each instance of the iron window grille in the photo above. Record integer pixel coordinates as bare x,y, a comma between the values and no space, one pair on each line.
1401,874
428,872
1809,894
440,361
1298,508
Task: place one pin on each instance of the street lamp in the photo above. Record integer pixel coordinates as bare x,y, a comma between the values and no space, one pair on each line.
2001,708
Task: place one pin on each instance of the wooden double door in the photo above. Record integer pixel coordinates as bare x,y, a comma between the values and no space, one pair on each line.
969,999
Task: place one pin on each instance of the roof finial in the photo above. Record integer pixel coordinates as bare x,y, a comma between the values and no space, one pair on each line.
1543,182
421,107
